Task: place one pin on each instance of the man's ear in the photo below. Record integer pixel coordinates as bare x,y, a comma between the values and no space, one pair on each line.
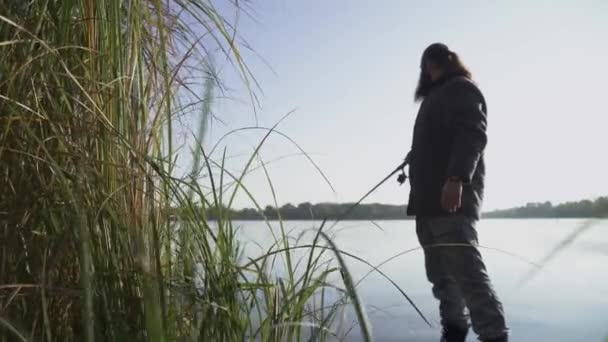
430,67
424,66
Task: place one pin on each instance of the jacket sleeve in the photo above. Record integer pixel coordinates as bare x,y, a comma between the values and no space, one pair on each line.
468,121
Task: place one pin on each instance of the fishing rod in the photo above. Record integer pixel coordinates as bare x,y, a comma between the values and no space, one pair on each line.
401,179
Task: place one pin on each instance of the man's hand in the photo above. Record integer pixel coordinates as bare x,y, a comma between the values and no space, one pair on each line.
451,196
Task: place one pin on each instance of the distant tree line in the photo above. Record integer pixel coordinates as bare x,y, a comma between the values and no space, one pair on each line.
308,211
375,211
581,209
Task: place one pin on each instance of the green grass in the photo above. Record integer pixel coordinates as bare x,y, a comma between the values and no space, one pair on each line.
91,97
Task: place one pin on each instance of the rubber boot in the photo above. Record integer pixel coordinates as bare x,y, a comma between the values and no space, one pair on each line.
454,334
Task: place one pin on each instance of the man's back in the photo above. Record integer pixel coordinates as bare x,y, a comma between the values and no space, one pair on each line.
449,140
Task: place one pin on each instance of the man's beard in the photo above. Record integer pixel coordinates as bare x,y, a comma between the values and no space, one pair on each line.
424,86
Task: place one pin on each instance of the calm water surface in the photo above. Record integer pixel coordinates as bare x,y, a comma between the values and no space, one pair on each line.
566,301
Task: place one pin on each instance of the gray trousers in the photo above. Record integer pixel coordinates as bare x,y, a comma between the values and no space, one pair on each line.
459,276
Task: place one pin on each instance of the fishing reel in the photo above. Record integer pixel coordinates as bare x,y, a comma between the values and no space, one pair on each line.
402,177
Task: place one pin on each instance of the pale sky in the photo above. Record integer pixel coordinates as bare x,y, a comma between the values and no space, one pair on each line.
349,68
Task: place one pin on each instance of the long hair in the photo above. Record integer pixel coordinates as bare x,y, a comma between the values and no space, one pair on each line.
446,60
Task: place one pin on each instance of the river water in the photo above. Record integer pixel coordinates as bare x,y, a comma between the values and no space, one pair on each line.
567,300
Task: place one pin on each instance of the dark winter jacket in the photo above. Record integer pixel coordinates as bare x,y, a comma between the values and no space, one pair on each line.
449,141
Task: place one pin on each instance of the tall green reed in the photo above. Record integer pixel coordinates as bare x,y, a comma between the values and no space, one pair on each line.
90,91
91,249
